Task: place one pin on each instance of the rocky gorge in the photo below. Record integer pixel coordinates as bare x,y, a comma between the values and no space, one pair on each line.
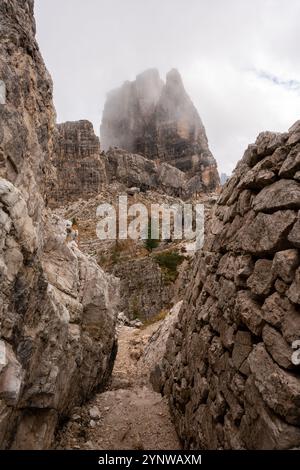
133,344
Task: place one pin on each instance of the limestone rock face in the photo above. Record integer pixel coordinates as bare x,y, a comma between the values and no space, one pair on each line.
27,117
80,168
137,171
228,369
160,122
153,355
143,290
57,307
158,138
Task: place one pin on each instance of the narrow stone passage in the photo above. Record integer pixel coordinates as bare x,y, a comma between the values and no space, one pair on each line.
130,415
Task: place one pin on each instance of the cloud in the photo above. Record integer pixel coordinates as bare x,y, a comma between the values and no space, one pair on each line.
93,46
292,85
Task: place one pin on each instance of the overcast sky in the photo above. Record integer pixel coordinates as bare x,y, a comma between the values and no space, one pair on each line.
239,59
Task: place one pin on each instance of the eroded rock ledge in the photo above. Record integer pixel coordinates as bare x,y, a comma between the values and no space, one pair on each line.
228,368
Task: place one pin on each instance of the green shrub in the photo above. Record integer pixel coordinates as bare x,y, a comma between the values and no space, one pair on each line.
151,243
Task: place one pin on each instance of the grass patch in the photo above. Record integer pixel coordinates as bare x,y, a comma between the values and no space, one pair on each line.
169,263
157,318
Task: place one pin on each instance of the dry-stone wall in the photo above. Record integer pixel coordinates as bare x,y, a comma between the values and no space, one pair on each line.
228,369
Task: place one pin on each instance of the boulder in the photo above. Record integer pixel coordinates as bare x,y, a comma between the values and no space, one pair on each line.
294,134
248,311
277,347
279,389
284,194
264,233
285,264
294,235
292,164
262,279
294,291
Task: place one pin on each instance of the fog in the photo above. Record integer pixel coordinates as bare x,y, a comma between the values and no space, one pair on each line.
239,59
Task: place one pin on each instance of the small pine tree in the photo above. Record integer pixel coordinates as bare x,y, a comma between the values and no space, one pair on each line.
151,243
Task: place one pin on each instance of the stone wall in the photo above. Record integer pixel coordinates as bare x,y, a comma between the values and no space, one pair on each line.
57,307
228,368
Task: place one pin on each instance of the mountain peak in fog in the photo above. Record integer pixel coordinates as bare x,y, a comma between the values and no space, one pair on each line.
158,120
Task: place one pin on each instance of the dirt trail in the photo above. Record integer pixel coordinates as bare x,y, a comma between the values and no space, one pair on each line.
128,416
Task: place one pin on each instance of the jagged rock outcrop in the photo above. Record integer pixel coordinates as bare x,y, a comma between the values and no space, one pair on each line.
160,122
57,307
137,171
228,368
80,168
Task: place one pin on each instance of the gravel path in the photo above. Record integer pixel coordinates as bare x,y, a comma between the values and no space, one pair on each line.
128,416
